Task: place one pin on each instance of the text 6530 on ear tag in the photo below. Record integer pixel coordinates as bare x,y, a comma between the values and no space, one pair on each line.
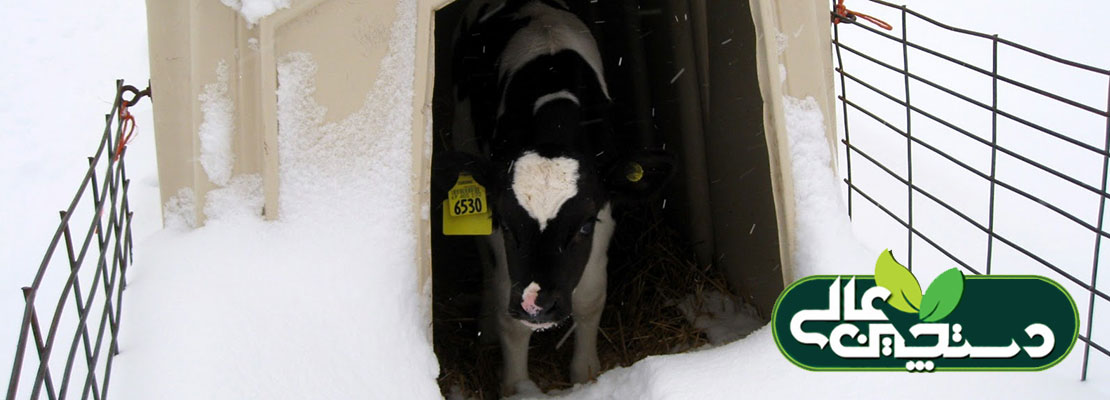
466,211
467,197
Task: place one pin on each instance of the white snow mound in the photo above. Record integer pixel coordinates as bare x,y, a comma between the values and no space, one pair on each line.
254,10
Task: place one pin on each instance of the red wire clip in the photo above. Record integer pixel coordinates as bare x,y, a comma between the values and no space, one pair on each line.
127,127
843,12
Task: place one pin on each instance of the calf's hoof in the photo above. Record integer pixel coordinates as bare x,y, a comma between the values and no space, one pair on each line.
584,368
526,387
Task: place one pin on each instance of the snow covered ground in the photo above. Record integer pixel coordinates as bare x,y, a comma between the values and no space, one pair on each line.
324,304
58,80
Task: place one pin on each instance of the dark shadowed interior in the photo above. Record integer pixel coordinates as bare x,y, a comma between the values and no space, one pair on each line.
682,75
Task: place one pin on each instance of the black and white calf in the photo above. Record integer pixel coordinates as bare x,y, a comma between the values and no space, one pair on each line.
532,126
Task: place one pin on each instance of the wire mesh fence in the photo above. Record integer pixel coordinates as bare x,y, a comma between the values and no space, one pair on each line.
69,331
915,118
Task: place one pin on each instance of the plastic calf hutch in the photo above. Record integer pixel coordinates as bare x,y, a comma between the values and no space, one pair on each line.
718,92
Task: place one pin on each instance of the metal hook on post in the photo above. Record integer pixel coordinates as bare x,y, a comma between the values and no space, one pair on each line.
127,121
136,94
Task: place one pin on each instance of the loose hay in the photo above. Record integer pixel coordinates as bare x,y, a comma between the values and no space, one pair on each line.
653,278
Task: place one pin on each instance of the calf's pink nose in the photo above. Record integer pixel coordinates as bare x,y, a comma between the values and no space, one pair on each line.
528,298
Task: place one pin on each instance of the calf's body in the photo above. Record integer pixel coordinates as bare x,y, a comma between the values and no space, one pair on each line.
532,112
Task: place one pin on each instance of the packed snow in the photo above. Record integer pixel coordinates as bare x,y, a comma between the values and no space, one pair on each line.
723,318
325,303
241,197
180,211
825,243
217,128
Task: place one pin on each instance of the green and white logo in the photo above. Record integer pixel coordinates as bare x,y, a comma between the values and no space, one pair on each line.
959,323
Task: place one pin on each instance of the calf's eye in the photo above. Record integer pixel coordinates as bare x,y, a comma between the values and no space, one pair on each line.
586,228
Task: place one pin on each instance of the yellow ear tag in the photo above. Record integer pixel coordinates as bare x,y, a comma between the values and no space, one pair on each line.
635,172
466,211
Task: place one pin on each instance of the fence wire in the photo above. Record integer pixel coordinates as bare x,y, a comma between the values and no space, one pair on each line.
67,345
910,112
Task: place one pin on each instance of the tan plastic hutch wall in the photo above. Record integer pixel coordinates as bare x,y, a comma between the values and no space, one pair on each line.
189,38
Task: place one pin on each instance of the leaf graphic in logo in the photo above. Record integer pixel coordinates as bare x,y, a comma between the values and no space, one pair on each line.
942,296
905,292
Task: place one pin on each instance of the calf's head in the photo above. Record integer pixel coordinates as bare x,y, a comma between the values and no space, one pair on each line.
546,204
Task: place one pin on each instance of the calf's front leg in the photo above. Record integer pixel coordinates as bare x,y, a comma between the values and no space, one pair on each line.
514,355
584,364
513,335
589,301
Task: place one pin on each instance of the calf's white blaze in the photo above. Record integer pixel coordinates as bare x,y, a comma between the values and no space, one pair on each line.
542,185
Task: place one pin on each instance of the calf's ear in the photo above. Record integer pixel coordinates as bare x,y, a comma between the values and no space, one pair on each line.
639,175
446,167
